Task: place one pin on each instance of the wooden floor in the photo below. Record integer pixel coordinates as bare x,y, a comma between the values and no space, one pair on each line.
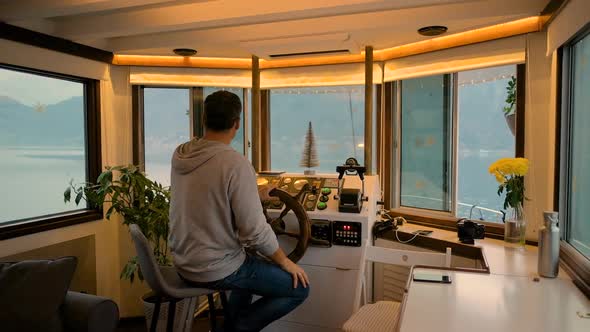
139,325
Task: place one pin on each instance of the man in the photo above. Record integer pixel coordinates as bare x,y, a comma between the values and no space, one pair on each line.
215,212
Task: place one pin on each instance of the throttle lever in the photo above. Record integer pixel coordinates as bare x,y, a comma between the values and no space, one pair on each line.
306,188
318,242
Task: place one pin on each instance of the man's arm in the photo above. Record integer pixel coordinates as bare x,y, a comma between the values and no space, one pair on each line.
252,229
293,269
251,224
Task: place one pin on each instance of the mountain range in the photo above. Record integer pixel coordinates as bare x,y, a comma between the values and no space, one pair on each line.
60,125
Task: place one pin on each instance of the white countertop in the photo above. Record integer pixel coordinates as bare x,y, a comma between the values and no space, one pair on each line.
507,299
502,259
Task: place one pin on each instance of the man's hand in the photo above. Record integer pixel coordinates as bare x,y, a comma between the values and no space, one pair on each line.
293,269
264,193
296,272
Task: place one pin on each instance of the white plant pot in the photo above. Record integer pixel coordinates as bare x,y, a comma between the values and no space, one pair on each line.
511,122
183,316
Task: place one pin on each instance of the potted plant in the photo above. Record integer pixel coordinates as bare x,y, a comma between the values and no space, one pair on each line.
509,110
140,201
510,173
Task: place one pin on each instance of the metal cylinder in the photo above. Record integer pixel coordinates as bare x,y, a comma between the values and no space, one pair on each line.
548,265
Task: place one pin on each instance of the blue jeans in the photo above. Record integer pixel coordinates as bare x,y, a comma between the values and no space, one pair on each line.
258,277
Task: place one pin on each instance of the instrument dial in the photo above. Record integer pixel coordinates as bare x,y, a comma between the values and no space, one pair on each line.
324,198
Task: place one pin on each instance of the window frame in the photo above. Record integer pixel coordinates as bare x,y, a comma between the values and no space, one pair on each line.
196,128
93,160
445,219
574,262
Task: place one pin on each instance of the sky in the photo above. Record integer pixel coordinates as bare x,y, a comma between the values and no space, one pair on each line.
32,89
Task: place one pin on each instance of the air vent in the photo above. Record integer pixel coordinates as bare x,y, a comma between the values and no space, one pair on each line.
331,52
288,47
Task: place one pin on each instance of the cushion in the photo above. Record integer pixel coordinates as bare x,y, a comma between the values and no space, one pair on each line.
31,293
377,317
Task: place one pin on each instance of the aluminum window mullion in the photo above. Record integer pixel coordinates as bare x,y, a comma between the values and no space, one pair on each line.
565,138
454,178
397,130
245,122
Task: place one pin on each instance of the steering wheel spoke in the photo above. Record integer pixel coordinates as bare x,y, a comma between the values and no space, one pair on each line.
290,234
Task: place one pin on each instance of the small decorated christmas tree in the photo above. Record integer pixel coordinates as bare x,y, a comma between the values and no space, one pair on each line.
309,157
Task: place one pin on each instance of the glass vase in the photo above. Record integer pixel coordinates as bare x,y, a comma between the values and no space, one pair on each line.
515,227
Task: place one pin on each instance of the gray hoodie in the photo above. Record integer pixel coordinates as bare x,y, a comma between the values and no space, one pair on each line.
215,211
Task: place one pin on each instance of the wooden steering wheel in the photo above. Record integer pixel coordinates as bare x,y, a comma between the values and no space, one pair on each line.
278,224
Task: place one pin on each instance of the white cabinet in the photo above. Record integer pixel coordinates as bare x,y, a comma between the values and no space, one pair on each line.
329,306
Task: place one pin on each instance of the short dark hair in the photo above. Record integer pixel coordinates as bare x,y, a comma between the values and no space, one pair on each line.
222,109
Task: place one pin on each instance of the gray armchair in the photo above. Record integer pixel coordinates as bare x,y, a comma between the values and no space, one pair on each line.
89,313
34,296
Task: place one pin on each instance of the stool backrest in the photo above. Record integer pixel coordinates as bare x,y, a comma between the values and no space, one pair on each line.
147,261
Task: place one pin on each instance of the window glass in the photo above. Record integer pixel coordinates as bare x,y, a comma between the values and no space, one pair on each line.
166,125
238,141
579,209
425,142
486,134
337,117
42,143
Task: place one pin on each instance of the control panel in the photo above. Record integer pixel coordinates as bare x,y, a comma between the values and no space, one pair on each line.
321,233
318,196
347,233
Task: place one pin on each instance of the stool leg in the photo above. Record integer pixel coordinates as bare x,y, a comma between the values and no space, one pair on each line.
171,313
226,316
212,312
155,315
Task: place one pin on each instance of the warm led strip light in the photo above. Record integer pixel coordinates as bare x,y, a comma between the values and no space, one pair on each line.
178,61
503,30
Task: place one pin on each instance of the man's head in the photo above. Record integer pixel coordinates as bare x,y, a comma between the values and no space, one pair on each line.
222,112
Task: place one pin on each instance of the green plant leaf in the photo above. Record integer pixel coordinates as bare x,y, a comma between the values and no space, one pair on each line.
67,194
79,197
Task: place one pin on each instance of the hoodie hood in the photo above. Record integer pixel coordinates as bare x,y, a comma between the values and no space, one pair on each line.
195,153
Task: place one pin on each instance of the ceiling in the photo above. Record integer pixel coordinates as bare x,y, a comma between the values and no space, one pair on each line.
240,28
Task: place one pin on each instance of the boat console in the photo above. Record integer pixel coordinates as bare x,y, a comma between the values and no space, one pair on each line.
335,255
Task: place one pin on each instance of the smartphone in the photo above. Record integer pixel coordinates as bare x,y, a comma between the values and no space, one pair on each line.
438,278
422,232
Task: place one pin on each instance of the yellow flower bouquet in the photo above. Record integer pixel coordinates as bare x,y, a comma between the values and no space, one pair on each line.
509,173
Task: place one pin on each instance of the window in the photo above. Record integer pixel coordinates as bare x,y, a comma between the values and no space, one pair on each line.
425,143
576,164
452,127
48,137
337,116
167,125
168,117
485,134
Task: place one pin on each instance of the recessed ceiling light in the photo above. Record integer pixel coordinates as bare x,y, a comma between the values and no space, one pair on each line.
185,51
433,30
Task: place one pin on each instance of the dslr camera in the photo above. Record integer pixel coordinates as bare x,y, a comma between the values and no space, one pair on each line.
468,231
